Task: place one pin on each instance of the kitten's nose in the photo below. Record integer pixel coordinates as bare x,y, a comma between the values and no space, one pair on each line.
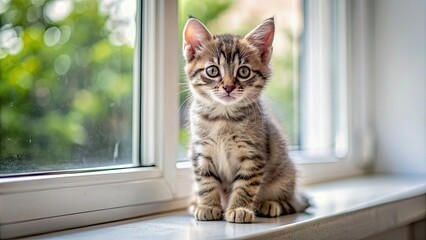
228,88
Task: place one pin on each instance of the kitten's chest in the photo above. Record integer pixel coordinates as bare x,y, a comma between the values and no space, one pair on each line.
226,158
222,138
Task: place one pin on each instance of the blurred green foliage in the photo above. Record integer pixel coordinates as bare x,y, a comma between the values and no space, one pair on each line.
66,95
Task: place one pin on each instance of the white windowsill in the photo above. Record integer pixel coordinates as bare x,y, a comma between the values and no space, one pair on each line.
344,209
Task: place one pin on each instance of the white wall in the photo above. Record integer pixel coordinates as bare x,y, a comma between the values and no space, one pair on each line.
399,85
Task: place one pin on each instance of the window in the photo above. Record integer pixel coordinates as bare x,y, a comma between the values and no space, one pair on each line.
66,84
37,203
323,86
146,108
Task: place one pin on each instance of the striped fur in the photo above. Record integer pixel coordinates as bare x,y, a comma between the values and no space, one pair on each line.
238,152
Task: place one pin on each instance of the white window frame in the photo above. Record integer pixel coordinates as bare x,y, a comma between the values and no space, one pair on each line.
37,204
45,203
353,153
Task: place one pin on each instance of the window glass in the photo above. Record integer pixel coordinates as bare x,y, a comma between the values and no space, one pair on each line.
66,74
324,112
239,17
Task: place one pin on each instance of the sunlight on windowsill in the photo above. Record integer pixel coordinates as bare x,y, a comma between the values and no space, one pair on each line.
340,208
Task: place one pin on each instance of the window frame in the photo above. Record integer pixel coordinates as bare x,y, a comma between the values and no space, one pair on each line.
44,203
325,164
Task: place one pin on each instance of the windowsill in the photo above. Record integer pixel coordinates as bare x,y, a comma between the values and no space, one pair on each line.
357,207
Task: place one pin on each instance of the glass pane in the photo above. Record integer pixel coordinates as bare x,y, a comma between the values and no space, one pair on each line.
66,73
239,17
323,81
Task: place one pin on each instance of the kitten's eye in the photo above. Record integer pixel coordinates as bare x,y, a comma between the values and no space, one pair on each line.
243,72
212,71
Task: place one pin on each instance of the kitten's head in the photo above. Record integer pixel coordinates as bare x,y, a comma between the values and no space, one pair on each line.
227,69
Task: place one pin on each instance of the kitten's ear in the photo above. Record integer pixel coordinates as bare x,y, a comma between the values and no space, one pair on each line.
262,37
194,34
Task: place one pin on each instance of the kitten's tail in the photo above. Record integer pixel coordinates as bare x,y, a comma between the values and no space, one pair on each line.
300,202
191,207
192,203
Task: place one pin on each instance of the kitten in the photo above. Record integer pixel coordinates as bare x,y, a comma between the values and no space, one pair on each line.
238,152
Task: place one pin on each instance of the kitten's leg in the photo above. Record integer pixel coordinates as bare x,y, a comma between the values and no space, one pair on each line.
244,188
207,188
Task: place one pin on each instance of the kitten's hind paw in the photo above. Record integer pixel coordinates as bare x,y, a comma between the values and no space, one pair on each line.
270,209
239,215
207,213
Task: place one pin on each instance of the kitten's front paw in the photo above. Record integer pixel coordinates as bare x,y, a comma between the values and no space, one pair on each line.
239,215
207,213
270,209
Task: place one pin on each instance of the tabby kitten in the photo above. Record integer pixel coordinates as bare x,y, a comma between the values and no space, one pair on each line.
238,153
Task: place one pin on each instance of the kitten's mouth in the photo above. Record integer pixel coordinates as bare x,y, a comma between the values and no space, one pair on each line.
227,98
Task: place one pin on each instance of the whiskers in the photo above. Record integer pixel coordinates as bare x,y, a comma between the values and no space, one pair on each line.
183,91
214,92
253,104
184,102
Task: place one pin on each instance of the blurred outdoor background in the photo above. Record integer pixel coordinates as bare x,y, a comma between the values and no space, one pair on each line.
66,76
66,73
240,17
